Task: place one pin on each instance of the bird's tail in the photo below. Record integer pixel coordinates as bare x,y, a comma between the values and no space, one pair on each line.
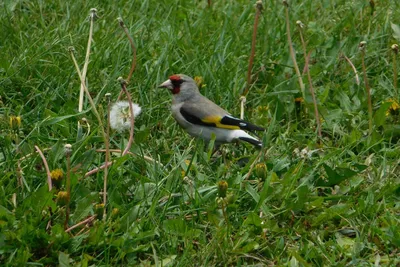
243,136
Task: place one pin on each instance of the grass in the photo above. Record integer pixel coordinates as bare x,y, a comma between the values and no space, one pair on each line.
296,203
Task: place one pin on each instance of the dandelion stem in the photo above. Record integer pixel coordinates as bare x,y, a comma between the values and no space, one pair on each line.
68,156
306,60
19,174
395,74
291,50
96,170
259,7
46,167
395,50
107,158
367,88
224,212
133,66
132,116
253,165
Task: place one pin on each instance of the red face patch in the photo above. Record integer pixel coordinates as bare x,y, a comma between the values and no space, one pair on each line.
176,81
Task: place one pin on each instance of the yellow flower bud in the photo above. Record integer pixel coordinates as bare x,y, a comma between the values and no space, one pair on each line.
114,212
99,210
261,170
222,188
15,122
62,198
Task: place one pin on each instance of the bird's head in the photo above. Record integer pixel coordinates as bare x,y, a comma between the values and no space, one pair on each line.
180,84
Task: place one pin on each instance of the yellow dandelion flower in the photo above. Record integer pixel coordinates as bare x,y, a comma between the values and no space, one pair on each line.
199,81
394,107
57,177
56,174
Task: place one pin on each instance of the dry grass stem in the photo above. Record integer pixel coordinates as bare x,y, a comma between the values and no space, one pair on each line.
92,16
354,69
46,167
242,102
88,220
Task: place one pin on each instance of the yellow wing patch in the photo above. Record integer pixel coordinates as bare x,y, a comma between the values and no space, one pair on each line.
217,121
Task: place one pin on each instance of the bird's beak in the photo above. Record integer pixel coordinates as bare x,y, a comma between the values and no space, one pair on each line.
166,84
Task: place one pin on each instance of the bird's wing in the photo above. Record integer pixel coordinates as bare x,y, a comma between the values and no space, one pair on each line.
207,113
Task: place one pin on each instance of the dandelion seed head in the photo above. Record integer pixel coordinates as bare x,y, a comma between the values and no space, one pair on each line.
120,115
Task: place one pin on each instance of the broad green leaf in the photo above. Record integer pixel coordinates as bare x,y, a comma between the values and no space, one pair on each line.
332,212
252,219
53,120
4,211
396,31
84,206
302,197
175,226
392,130
253,193
380,114
336,176
252,245
142,135
130,216
169,261
264,192
345,242
63,259
41,199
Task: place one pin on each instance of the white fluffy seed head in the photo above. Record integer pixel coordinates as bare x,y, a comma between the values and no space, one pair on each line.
120,115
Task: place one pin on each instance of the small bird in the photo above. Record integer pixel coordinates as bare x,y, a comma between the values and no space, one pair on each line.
201,117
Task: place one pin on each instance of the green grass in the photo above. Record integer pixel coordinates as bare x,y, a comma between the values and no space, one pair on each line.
338,205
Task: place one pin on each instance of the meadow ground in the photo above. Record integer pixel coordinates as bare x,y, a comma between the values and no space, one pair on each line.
303,200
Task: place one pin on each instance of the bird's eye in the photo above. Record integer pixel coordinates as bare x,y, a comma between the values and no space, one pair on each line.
177,82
